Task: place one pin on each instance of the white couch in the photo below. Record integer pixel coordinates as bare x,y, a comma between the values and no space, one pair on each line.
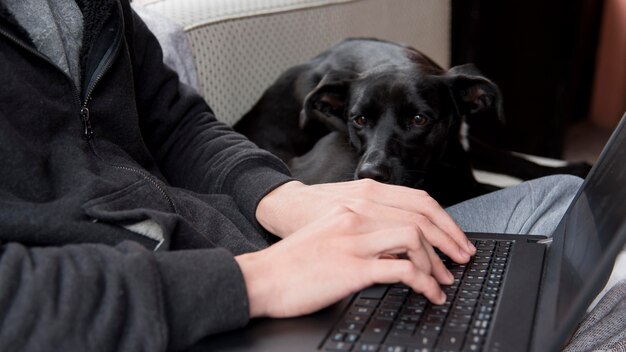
241,46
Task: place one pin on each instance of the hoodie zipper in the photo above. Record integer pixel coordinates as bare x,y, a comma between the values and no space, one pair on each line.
103,67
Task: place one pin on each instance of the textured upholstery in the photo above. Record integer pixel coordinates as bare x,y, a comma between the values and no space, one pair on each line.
241,46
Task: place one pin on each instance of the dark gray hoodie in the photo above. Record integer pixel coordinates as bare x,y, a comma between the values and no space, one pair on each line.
79,168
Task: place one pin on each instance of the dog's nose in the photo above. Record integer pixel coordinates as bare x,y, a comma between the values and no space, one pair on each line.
380,173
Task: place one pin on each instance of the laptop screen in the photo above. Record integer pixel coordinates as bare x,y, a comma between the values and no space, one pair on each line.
585,243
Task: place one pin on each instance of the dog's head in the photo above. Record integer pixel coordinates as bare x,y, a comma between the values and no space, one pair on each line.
400,119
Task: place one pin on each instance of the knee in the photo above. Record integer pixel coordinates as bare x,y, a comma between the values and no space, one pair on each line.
559,185
565,181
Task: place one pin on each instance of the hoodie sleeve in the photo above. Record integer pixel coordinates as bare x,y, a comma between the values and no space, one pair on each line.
93,297
192,148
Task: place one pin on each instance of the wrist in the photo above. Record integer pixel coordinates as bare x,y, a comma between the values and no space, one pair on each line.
257,288
274,210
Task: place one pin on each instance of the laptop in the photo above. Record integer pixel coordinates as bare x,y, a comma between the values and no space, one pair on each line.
518,293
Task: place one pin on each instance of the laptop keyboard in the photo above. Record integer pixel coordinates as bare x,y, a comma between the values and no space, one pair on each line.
393,318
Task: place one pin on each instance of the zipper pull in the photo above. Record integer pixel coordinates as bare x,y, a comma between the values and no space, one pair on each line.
84,116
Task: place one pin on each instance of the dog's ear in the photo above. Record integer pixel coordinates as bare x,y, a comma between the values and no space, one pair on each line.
326,102
474,93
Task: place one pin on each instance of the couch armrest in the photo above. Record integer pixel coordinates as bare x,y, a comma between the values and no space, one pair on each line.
240,47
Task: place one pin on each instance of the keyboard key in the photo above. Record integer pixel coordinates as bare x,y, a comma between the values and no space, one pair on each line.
429,329
386,314
492,289
475,271
485,309
482,259
478,332
417,299
356,318
472,347
487,295
413,310
351,327
391,305
440,310
408,326
375,331
474,279
456,327
469,286
468,294
361,302
426,340
352,337
409,318
434,319
338,336
466,301
394,298
374,292
450,341
361,311
480,324
483,316
460,318
337,346
475,339
366,347
399,291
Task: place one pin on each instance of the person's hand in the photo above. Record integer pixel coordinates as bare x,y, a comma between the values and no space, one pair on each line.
336,255
293,205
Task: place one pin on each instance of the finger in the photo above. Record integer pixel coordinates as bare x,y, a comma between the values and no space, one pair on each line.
439,217
404,240
439,270
442,240
431,232
412,200
396,240
435,266
399,270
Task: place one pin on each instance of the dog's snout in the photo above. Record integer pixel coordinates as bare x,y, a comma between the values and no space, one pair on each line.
377,172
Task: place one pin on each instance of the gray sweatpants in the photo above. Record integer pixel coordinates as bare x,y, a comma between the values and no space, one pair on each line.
533,207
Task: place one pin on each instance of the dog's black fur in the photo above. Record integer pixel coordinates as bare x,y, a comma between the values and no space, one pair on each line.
395,117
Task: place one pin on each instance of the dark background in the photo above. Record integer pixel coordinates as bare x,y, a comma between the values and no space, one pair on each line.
542,56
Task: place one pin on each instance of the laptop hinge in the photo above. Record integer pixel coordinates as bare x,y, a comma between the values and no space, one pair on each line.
545,241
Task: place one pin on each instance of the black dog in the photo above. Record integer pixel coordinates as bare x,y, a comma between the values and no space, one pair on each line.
396,117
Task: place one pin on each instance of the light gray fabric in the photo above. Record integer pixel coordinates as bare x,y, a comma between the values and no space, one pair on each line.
176,51
534,207
56,29
604,328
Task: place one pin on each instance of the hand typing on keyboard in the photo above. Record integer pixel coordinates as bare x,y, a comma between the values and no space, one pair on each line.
339,248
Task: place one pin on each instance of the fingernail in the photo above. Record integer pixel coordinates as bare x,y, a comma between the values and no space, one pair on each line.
442,298
464,254
450,277
471,247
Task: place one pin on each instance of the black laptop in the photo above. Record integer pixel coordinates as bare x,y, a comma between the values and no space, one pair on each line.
518,293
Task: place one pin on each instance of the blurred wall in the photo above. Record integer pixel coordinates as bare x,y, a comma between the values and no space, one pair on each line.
608,102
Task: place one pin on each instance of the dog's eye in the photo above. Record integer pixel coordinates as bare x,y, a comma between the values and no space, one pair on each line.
418,120
359,120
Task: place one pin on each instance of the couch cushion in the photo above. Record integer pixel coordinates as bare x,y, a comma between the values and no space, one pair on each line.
241,46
